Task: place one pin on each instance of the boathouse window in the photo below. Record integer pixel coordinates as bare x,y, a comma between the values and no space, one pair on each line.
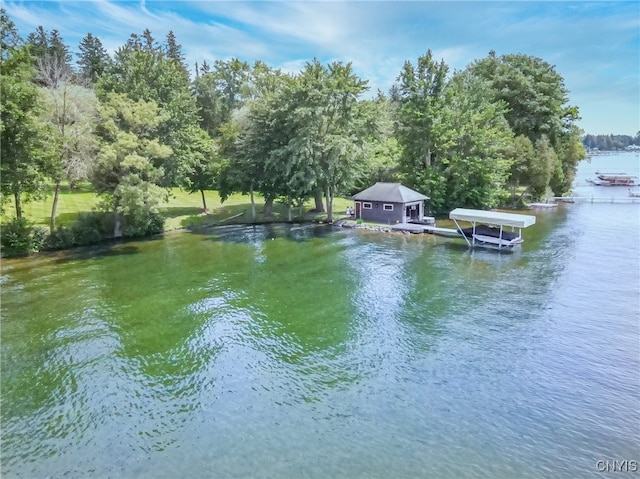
388,207
366,206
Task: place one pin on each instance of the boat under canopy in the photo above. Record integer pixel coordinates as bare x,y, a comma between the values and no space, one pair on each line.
487,227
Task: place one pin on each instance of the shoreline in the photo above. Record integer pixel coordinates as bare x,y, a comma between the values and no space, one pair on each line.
109,242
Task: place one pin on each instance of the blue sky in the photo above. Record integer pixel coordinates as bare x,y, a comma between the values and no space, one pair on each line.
595,46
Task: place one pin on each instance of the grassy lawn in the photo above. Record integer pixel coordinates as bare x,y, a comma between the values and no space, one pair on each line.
183,209
70,203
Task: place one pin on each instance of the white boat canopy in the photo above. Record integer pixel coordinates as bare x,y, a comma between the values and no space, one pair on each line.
493,218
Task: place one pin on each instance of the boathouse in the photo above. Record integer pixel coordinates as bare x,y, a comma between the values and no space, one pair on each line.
389,203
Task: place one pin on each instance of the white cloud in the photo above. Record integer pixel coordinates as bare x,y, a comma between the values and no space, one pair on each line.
294,66
593,45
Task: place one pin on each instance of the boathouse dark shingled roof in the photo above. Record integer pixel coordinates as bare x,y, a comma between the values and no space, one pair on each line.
390,192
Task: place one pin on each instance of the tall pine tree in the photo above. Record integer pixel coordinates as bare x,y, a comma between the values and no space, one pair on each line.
93,59
51,57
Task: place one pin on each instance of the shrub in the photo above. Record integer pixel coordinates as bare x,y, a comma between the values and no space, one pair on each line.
93,227
20,238
61,238
156,224
145,224
89,228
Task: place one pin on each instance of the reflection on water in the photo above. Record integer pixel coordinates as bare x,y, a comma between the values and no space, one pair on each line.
305,351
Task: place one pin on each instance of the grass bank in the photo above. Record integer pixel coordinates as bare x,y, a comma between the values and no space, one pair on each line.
183,210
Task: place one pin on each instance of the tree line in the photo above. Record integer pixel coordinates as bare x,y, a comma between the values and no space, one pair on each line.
136,123
611,142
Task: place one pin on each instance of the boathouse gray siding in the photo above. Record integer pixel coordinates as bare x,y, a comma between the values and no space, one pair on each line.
389,203
378,214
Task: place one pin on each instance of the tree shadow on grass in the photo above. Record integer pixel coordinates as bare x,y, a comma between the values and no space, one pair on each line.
63,219
218,216
175,211
234,223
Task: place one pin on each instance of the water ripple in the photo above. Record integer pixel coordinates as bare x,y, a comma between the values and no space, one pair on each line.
280,352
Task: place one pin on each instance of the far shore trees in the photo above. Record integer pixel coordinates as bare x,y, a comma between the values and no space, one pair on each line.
611,142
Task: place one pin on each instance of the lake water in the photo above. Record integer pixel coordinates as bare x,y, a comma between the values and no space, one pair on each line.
309,352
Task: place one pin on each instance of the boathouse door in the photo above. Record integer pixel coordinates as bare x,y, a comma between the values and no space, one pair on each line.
357,210
412,212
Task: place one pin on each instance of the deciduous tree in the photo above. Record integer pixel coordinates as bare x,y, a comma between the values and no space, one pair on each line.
330,134
383,150
472,137
71,111
523,156
542,169
420,90
203,165
537,101
219,90
22,136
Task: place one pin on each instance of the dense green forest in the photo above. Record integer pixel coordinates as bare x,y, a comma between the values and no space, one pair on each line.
136,123
611,142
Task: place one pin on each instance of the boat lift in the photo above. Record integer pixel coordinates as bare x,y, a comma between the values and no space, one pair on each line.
487,227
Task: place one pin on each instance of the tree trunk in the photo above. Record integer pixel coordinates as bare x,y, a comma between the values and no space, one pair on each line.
524,193
204,201
329,205
18,199
117,227
427,158
289,207
268,206
318,200
253,205
54,207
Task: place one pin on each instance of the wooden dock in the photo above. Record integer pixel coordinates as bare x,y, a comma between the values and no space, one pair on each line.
448,232
418,229
408,227
599,199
